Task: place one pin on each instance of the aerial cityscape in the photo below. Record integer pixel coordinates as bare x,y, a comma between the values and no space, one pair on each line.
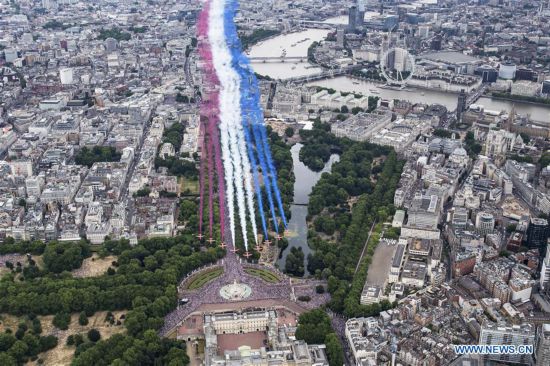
275,182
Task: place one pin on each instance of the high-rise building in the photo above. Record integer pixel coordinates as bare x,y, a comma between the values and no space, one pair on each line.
49,4
542,353
461,105
545,270
525,74
361,6
10,54
537,233
340,34
488,73
111,45
66,76
507,71
352,18
436,43
485,223
494,334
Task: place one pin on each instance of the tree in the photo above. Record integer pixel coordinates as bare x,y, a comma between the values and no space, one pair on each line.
7,360
182,98
78,339
311,52
65,256
256,36
115,33
88,157
440,132
62,320
70,340
356,110
335,352
510,228
36,326
47,343
94,335
295,262
313,326
32,343
471,145
18,350
143,192
289,132
64,294
82,318
344,109
6,341
373,103
544,160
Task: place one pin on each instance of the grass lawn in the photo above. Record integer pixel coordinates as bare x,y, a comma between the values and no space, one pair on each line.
3,271
265,275
202,278
94,266
188,184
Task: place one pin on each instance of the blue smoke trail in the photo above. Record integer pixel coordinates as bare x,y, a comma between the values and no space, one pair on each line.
233,46
267,183
249,104
273,174
263,145
246,106
244,65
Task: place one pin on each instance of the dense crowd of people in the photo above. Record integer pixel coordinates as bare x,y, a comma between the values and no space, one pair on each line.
261,290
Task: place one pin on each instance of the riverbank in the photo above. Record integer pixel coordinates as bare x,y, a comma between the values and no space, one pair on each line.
516,100
408,88
257,36
297,230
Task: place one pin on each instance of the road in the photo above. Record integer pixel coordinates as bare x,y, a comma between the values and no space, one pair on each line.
124,196
187,71
339,325
364,248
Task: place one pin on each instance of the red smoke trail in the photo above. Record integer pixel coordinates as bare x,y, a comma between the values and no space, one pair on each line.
210,181
201,174
210,110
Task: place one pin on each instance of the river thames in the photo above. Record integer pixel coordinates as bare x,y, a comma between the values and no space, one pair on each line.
296,44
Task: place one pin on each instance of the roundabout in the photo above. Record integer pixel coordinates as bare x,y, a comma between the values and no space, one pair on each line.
235,291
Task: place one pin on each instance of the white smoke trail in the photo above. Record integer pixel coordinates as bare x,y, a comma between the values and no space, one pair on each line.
247,182
234,149
217,41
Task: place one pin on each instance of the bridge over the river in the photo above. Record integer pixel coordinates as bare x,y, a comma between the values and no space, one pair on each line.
279,59
326,74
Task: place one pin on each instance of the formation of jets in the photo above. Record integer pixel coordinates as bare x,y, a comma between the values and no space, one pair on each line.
246,254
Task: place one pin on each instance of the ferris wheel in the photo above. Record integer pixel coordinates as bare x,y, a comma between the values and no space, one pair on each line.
397,66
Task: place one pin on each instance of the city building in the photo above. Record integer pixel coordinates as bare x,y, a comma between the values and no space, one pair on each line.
242,338
494,334
362,126
485,223
537,233
352,18
545,271
461,104
507,71
525,88
542,354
